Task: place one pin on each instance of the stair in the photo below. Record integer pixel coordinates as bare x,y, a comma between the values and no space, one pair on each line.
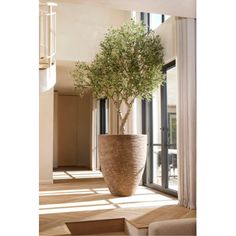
117,226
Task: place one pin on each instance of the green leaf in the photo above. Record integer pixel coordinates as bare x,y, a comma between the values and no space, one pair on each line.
128,65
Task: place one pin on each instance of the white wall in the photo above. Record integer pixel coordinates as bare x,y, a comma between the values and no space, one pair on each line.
46,136
167,33
80,29
55,131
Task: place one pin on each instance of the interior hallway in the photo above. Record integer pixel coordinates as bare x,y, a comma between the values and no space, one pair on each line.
89,199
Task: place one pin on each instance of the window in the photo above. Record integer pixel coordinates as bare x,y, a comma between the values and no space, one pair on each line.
153,20
166,17
161,123
103,117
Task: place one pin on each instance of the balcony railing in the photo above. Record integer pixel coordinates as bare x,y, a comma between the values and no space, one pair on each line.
47,35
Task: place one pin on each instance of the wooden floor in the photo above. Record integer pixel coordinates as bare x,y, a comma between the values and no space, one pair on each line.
90,199
70,168
64,174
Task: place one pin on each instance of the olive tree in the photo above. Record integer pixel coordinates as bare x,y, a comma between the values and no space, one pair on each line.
128,66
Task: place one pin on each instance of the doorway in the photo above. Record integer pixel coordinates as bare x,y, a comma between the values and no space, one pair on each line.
77,123
72,131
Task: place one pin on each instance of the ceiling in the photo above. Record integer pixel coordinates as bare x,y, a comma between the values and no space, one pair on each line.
183,8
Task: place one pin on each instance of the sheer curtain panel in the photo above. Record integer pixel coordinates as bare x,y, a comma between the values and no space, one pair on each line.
186,144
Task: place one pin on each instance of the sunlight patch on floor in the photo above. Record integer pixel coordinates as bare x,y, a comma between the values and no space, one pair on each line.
82,174
65,192
74,204
143,197
147,204
76,209
140,198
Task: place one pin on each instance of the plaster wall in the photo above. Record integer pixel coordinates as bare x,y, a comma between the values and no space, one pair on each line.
46,136
55,131
81,27
167,33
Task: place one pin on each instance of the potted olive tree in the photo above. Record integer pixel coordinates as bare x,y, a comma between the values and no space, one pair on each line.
128,66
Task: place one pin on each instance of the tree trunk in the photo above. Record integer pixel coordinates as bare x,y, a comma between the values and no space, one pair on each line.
124,120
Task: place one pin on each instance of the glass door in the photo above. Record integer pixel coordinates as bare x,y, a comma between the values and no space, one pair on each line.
171,89
157,138
161,169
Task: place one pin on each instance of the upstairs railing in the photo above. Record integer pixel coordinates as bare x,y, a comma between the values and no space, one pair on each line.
47,34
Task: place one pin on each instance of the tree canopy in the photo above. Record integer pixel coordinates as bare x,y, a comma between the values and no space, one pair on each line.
128,66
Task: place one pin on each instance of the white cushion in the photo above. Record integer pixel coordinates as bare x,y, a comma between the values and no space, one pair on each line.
186,226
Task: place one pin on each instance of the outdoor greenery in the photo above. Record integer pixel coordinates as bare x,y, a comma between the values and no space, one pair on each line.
128,66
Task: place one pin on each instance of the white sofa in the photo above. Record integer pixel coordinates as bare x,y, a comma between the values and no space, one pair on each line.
180,227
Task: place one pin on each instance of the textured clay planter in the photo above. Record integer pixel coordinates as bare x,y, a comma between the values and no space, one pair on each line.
122,159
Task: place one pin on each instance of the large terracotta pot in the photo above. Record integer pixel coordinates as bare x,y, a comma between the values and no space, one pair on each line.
122,159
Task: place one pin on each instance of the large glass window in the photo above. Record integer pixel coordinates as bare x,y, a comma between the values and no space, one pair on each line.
171,87
160,124
162,169
156,126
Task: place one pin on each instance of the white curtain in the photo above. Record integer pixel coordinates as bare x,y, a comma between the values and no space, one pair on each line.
186,115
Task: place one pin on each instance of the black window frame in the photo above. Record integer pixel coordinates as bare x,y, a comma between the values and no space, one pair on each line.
102,117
